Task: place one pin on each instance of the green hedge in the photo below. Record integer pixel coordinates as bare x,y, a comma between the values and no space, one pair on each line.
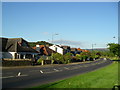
16,63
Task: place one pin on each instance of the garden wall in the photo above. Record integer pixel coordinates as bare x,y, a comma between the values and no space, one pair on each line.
16,62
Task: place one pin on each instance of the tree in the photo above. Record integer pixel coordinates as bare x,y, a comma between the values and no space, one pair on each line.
32,44
85,55
114,48
57,58
67,58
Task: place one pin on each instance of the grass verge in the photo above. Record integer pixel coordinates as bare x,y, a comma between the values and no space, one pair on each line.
105,77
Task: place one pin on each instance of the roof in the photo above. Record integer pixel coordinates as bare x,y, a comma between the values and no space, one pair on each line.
79,49
65,47
85,50
73,49
25,49
44,50
3,42
15,45
48,51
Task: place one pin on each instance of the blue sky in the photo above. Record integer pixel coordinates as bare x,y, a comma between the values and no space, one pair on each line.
79,24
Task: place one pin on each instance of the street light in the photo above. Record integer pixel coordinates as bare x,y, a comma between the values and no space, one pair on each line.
114,38
53,35
92,46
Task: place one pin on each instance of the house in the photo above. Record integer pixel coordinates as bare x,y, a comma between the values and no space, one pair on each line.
60,49
79,50
67,49
74,51
84,50
57,49
16,48
44,50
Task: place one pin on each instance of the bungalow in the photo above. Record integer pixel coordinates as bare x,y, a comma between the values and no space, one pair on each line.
16,48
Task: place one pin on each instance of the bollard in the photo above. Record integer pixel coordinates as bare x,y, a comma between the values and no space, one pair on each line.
104,58
42,63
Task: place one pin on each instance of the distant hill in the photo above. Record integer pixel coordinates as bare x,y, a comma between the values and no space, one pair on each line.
32,44
99,49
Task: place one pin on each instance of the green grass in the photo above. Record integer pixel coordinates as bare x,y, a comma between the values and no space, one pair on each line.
105,77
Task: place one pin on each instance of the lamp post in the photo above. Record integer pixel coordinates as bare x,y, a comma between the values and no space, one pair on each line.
52,50
114,38
92,46
53,36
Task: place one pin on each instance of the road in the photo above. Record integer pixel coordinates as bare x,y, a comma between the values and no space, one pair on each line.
26,77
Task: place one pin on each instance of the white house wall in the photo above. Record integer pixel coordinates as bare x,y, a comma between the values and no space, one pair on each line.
52,47
13,54
59,50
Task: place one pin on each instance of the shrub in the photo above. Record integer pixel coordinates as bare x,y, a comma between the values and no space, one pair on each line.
79,57
57,58
39,61
67,58
85,55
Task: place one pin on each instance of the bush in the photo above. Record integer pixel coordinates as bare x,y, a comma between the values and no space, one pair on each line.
39,61
85,55
67,58
79,57
56,57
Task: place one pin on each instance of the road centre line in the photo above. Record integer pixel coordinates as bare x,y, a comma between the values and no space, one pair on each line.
7,77
41,71
22,75
55,69
66,68
13,76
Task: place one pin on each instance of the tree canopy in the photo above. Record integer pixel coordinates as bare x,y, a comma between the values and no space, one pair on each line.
32,44
114,48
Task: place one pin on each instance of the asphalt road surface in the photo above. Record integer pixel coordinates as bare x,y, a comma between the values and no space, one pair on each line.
26,77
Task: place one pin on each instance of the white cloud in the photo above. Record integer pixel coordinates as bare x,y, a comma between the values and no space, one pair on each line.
46,33
70,43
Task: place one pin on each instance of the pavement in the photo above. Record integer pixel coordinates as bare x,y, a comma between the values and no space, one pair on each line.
30,76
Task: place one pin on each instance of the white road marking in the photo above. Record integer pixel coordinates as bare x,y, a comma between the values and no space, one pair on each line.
7,77
14,76
105,59
55,69
19,74
41,71
66,68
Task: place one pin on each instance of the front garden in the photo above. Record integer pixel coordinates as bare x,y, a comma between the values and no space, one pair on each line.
57,58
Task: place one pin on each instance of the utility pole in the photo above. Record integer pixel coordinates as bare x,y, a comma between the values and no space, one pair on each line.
53,36
92,46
